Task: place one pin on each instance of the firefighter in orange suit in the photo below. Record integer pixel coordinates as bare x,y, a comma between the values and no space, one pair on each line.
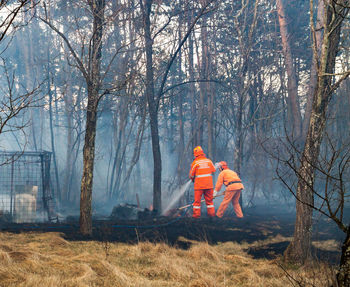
201,173
233,190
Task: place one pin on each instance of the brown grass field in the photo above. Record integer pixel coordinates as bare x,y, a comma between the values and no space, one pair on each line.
47,259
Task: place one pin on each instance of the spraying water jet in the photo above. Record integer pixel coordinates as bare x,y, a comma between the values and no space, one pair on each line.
176,196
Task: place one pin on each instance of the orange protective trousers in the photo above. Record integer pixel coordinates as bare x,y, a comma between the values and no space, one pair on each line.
208,196
230,196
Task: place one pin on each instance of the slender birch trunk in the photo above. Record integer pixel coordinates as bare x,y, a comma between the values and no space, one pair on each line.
294,115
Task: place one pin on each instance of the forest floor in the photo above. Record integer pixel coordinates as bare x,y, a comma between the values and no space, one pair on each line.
164,251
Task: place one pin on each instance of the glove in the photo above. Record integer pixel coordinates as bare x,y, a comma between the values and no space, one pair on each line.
215,193
217,165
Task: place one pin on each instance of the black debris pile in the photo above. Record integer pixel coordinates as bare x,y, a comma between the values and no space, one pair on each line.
146,214
125,211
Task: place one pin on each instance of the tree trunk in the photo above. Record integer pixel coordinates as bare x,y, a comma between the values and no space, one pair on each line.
93,85
238,151
52,133
52,137
204,67
88,168
136,153
68,109
211,123
294,115
207,89
313,72
343,276
119,142
181,145
69,149
152,107
213,95
194,122
299,250
73,196
245,49
27,41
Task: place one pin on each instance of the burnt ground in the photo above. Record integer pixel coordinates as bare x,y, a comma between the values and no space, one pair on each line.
257,225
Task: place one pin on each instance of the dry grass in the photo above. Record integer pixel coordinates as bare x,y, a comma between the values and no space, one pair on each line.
46,259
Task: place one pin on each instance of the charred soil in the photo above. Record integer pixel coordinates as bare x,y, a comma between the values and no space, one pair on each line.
267,233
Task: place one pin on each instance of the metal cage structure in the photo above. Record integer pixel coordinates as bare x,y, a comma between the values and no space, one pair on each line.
25,187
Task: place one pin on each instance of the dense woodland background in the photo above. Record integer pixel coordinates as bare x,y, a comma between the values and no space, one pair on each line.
121,91
224,87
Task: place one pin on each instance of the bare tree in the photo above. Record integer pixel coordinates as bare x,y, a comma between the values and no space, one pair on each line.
153,96
330,192
313,72
335,13
13,102
91,71
152,104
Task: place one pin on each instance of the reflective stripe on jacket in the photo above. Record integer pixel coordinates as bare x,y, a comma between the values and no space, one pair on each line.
227,176
201,171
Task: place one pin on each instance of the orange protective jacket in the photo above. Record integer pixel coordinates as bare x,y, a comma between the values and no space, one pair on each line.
201,172
226,177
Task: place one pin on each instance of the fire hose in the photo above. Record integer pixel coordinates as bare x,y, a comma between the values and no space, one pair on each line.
188,205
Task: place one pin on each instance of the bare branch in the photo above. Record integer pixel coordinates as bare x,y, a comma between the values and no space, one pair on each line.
79,62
